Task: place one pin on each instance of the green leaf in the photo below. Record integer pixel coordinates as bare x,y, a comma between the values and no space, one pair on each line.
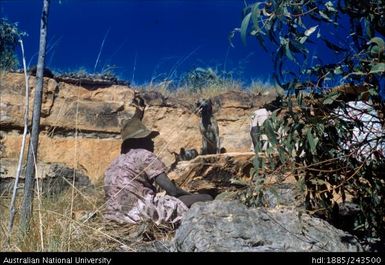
299,99
377,41
373,92
297,46
255,15
318,181
303,39
320,128
261,41
263,166
298,20
330,7
312,141
270,132
281,154
356,73
378,68
288,52
376,47
330,98
238,182
325,16
231,36
252,171
244,25
333,46
338,70
310,31
368,27
275,193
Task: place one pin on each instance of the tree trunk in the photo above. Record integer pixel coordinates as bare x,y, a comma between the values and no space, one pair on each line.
26,211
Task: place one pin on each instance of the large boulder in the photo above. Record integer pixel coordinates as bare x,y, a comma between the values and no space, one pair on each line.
231,226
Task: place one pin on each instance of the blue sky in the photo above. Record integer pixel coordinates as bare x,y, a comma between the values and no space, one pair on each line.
144,39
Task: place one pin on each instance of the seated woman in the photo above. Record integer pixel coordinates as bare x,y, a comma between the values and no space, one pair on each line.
129,182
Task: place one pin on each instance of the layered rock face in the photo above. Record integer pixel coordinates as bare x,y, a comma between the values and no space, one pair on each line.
81,125
231,226
52,178
214,174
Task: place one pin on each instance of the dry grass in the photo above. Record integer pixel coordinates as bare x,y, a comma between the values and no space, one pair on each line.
209,91
262,88
65,230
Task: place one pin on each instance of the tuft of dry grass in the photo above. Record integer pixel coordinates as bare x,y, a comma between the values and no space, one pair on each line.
208,91
264,88
211,90
82,229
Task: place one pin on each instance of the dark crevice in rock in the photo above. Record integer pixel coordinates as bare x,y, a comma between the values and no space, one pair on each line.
55,178
91,83
64,132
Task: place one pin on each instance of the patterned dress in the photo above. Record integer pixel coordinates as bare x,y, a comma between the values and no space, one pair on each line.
131,194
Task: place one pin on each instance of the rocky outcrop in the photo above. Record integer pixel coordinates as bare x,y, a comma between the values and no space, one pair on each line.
281,194
214,174
230,226
81,126
91,155
226,176
53,178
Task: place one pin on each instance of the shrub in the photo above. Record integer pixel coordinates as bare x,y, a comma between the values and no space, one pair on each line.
9,36
334,152
351,33
199,78
313,135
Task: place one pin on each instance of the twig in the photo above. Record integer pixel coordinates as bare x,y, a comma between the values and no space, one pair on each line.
74,172
12,205
134,68
49,48
305,13
180,62
39,204
100,50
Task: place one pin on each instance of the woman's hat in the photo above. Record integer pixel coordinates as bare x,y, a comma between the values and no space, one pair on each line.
134,128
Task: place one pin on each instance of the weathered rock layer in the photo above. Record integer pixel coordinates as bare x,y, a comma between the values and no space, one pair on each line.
80,126
231,226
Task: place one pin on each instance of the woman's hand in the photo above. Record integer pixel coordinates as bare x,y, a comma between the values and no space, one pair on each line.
171,189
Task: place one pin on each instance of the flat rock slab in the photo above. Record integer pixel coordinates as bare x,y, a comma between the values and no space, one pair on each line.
231,226
214,173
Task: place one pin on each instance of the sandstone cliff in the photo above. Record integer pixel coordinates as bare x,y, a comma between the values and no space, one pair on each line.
80,125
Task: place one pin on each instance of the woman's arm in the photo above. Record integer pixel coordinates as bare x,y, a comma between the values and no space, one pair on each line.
171,189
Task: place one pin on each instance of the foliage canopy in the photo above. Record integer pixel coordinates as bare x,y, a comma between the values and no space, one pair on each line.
351,31
9,37
332,142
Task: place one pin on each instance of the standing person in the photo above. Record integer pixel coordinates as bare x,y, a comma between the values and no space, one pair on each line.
129,182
